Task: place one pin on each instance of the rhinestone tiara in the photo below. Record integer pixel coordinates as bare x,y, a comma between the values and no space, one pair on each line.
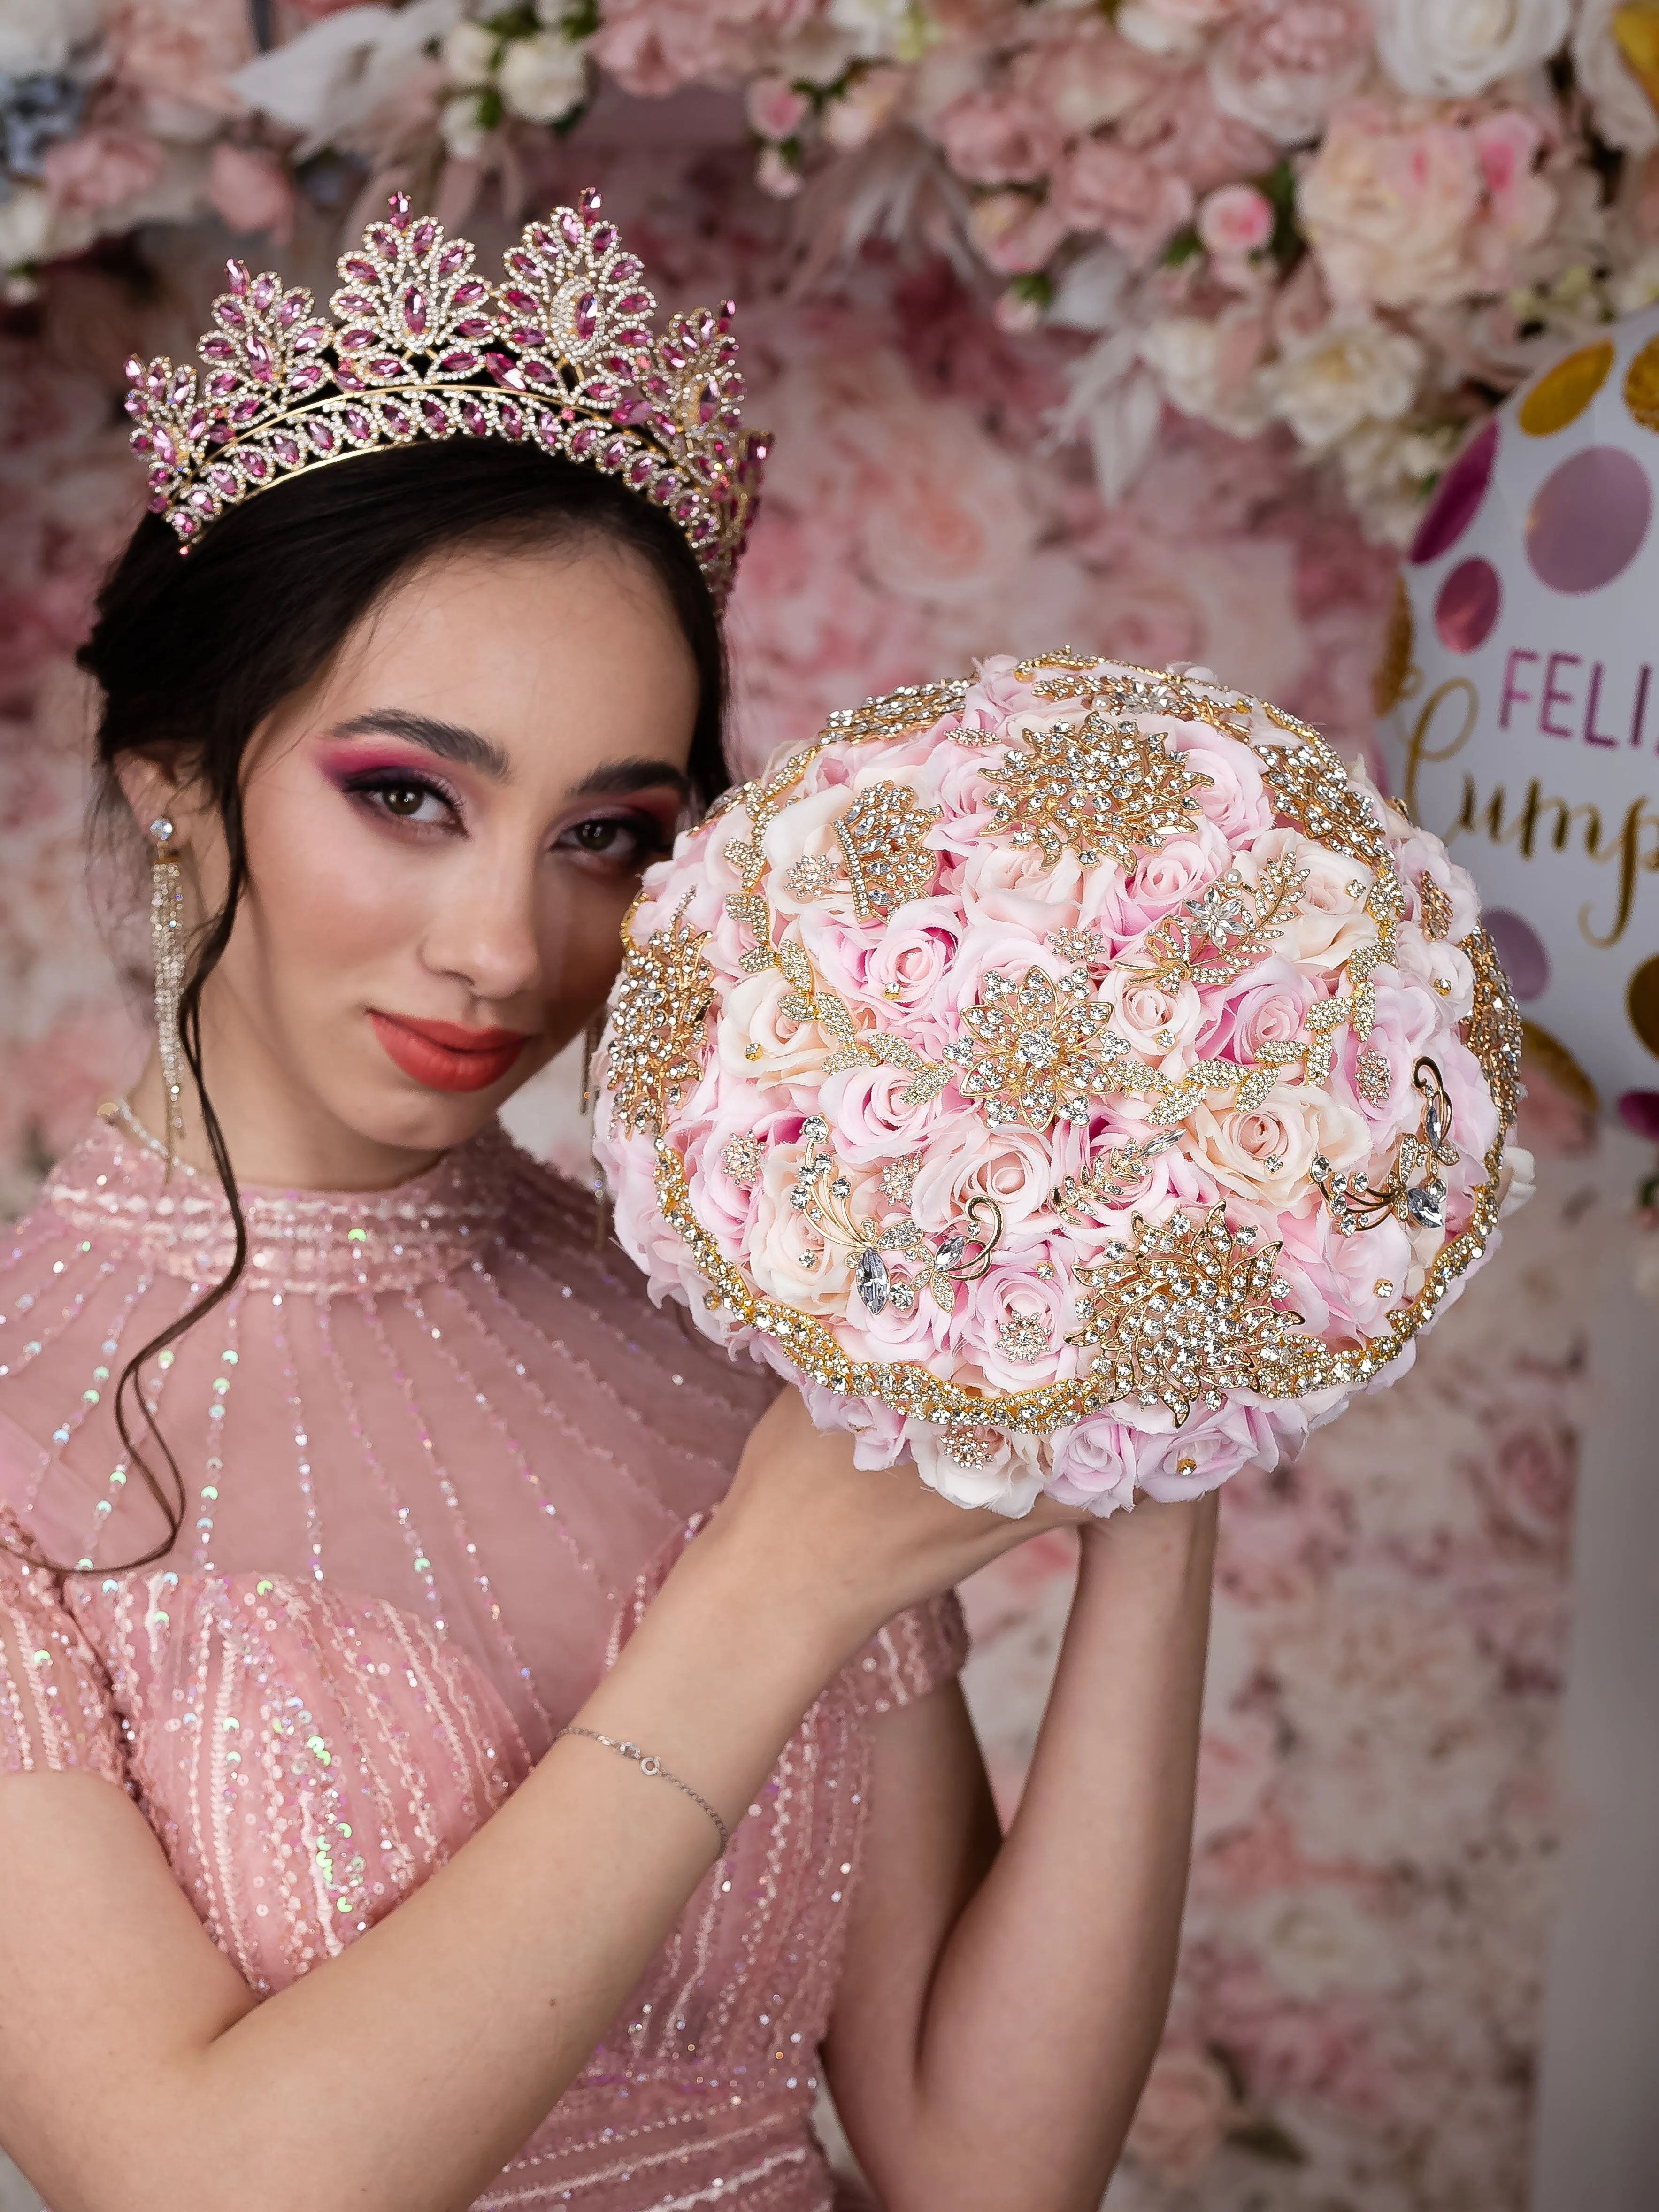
562,354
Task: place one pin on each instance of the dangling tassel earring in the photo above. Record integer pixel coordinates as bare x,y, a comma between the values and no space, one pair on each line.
591,1044
166,937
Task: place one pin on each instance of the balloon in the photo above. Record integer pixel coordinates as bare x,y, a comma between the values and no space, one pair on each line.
1519,697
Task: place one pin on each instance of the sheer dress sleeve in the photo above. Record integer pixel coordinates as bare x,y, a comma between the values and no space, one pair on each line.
919,1651
56,1710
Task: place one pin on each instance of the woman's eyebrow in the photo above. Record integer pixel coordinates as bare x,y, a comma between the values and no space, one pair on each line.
615,779
451,741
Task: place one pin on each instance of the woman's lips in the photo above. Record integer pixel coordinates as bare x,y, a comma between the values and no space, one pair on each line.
442,1056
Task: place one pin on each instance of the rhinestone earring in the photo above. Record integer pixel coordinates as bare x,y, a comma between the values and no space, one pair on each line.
167,938
591,1042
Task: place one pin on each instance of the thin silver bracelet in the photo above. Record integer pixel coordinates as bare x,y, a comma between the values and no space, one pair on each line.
648,1763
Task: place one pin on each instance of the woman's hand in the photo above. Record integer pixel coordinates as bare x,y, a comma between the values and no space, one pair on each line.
853,1545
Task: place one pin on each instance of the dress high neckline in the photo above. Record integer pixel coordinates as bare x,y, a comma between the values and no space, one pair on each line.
298,1240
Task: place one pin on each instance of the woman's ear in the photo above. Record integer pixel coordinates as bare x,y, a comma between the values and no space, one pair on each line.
152,790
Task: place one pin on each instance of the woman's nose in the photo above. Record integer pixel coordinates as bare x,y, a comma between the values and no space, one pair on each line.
484,930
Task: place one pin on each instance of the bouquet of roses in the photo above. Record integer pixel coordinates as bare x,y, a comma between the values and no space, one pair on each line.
1074,1077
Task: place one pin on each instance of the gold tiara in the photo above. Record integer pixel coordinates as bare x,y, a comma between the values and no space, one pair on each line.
562,355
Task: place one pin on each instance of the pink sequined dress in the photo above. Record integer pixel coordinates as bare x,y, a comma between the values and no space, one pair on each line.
437,1452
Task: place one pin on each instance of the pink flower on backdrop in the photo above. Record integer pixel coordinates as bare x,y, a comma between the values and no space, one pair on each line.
1407,213
1284,64
1015,232
1104,187
180,49
1083,73
1520,203
1529,1479
252,191
1235,219
997,138
102,168
1183,2114
1282,1533
654,46
1183,129
775,108
1237,1756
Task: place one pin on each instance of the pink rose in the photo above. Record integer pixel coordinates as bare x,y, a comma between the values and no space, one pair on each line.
1180,868
997,138
1137,205
251,191
869,1123
1404,1026
100,169
904,966
1016,1166
1267,1006
1159,1024
877,1431
1012,1321
1235,219
775,108
1284,64
1016,234
788,1255
1519,204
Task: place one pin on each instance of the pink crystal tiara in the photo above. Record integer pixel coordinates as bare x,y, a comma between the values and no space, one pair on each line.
562,355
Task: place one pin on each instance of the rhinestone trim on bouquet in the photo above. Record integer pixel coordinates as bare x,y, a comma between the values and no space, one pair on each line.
1078,1185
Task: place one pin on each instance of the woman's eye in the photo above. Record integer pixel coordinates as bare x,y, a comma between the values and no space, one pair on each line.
625,842
406,799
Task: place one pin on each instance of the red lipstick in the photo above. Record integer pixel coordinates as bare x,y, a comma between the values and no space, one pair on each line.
443,1056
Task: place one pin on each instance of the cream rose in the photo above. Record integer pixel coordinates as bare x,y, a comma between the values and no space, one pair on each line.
758,1042
1352,370
1266,1154
1387,204
1008,1480
1331,920
789,1258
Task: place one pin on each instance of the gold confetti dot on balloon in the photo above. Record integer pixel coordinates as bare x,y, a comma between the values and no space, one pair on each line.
1562,394
1642,997
1642,385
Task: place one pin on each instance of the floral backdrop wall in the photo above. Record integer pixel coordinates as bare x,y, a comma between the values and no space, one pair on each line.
1355,2021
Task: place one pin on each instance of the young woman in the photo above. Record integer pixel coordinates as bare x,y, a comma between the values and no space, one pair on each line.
327,1884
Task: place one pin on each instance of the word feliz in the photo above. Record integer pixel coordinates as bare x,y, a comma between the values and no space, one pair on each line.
1536,821
1559,694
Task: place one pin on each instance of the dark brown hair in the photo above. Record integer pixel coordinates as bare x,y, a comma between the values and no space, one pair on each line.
194,654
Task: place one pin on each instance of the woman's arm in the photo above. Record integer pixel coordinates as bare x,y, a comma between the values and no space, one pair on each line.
999,2007
137,2071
